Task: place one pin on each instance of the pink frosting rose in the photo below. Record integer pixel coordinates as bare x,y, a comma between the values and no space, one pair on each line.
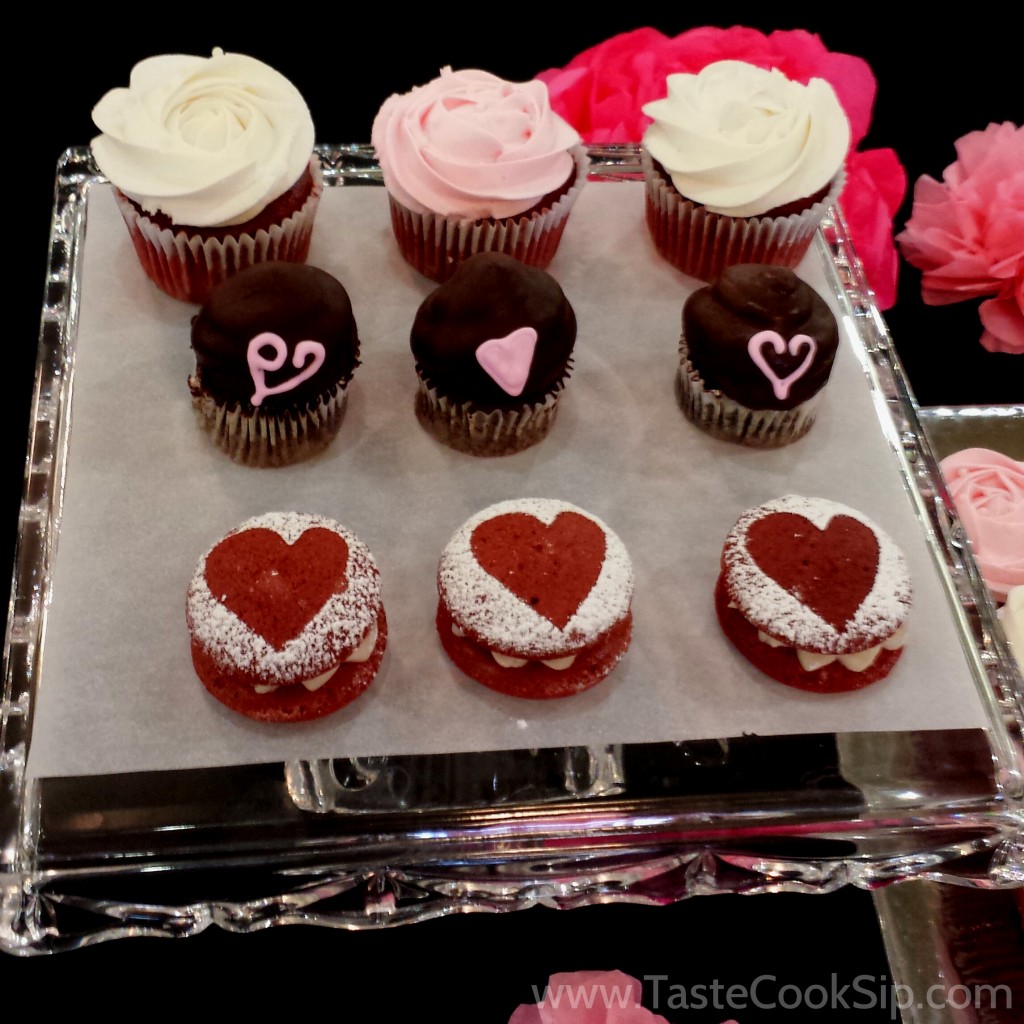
966,233
987,488
469,144
602,91
588,997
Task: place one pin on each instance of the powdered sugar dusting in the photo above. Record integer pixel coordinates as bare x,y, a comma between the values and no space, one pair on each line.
767,605
494,616
327,639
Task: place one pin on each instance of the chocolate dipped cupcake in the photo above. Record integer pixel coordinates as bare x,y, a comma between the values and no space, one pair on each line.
493,348
276,346
757,347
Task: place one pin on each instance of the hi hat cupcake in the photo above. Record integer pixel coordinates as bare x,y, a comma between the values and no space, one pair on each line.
473,163
493,348
212,164
741,165
276,346
756,350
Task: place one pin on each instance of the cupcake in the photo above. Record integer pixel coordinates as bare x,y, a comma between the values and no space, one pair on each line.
756,349
740,165
212,164
493,348
813,594
285,618
276,346
534,598
987,488
473,163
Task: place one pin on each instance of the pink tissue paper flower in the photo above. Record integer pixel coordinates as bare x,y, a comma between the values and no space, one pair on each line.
589,997
966,233
601,93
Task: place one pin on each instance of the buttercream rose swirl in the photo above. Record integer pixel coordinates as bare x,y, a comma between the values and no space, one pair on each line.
987,488
206,141
742,141
470,144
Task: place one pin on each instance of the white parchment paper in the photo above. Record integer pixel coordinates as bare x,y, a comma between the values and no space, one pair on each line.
147,493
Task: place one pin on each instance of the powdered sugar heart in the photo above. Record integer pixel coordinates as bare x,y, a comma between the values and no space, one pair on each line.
830,570
552,567
274,587
259,365
507,360
781,385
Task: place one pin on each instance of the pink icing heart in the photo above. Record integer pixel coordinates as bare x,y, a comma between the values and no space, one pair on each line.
507,360
259,364
781,385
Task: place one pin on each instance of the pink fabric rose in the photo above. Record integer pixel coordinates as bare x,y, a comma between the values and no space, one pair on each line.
987,488
588,997
601,93
966,233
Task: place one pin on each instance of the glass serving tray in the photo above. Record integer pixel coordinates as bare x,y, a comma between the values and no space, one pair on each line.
378,841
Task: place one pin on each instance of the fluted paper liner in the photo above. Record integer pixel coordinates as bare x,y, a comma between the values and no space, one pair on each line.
188,267
462,426
254,437
436,245
702,244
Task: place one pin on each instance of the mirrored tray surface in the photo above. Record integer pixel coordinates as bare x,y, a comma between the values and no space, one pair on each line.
374,841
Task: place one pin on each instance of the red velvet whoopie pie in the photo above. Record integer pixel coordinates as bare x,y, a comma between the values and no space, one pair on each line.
814,594
285,617
535,598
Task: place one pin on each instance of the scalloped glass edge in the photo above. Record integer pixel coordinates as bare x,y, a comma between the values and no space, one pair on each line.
648,851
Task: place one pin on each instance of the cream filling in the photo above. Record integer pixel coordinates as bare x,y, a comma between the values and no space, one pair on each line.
358,656
810,661
507,661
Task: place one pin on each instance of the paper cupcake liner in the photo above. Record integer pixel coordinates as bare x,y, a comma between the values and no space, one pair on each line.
462,426
255,438
722,417
188,267
436,245
702,244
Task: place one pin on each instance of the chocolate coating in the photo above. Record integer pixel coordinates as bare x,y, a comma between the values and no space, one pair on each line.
490,296
292,300
720,319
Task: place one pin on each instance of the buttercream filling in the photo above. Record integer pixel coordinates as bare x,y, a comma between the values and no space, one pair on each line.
811,661
358,656
509,661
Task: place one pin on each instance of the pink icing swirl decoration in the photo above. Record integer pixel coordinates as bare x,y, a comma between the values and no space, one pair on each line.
987,488
781,385
259,365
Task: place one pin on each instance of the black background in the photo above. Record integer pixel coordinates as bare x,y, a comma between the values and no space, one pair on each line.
938,76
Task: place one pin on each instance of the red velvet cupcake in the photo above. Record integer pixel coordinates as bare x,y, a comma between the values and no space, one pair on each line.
285,618
473,163
814,594
212,163
535,598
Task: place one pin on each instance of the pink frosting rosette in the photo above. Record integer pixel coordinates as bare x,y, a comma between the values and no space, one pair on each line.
474,163
987,488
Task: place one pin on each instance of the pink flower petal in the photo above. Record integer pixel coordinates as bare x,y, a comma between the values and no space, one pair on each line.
966,233
1003,320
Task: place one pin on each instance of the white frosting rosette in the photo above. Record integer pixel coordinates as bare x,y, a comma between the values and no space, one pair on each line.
207,141
742,141
467,160
734,143
207,144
